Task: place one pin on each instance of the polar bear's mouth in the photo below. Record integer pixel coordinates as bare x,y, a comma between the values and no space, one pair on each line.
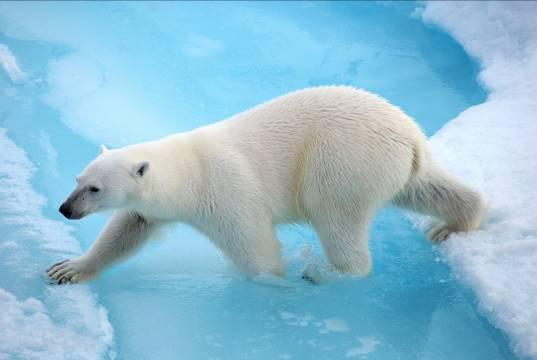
66,209
77,216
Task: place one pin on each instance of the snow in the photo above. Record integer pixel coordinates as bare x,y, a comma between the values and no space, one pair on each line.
9,63
29,332
67,322
491,146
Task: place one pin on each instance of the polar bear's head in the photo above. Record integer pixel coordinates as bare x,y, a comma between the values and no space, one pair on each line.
108,182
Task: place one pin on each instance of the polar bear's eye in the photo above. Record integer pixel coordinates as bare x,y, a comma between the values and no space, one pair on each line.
94,189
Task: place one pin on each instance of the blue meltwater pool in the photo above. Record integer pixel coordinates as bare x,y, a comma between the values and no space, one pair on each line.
120,73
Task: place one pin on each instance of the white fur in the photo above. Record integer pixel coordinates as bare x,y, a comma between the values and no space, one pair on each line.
330,156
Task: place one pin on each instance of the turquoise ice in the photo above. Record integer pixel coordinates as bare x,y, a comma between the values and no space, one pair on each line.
119,73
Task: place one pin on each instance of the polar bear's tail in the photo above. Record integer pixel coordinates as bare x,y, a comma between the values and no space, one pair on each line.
434,192
418,159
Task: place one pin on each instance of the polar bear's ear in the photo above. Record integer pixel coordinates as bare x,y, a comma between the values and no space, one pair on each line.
141,169
102,149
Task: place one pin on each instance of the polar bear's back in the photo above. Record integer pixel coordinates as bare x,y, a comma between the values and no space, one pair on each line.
341,113
336,140
326,106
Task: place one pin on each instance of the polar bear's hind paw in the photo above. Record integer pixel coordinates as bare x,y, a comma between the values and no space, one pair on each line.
439,233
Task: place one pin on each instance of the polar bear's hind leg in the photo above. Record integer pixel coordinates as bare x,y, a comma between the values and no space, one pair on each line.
345,240
434,192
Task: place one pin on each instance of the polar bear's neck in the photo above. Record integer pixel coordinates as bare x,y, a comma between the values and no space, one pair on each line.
172,182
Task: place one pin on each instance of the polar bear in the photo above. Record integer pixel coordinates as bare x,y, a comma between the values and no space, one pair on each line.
328,156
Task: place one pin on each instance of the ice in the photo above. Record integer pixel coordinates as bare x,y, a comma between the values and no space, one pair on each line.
9,63
176,74
124,72
367,346
272,280
492,146
201,46
297,320
67,321
335,325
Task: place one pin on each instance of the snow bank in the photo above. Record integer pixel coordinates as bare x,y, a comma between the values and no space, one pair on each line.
492,146
28,332
66,322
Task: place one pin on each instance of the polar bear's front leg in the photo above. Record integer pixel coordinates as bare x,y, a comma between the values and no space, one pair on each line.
124,233
249,242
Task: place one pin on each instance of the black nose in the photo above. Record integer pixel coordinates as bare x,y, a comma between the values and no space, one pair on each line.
66,210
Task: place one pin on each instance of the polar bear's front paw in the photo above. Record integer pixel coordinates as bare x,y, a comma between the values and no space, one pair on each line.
439,233
71,271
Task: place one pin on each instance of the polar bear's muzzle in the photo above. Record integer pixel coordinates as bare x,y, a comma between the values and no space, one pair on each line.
71,208
67,210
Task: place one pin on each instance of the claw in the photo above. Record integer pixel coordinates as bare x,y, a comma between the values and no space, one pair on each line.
68,271
48,280
55,271
65,280
439,233
56,264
